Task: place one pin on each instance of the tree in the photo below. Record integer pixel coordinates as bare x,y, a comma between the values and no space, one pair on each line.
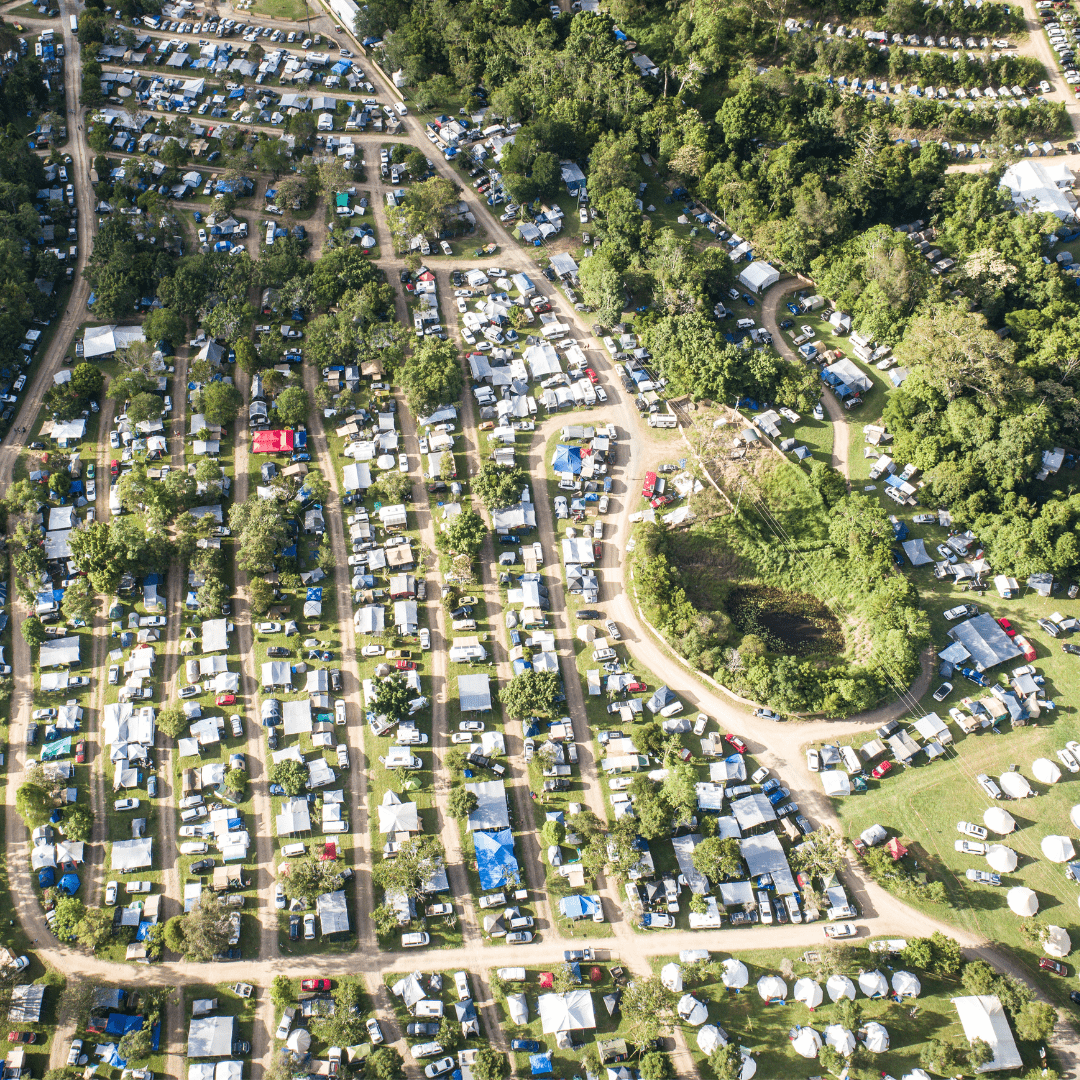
384,1064
602,286
462,803
726,1062
144,407
69,913
862,529
172,721
206,929
432,376
259,526
648,1009
292,406
33,631
93,550
95,928
658,1066
291,775
174,934
87,381
78,822
947,955
1035,1021
831,1060
490,1065
23,497
410,871
385,919
221,402
308,879
979,1053
281,991
978,977
80,602
165,324
834,959
236,781
718,859
128,385
497,487
828,483
247,358
135,1045
260,596
553,833
392,696
532,693
465,533
34,804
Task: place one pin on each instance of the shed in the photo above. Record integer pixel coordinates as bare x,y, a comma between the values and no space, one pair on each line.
759,276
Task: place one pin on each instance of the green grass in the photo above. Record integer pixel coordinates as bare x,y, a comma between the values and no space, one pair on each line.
296,10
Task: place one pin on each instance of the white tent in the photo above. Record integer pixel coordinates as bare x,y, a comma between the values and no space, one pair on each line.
807,1043
1074,816
1045,771
566,1012
916,1074
518,1008
1057,941
1001,821
1015,785
875,1038
1001,858
808,992
873,984
671,977
299,1041
735,975
835,783
759,276
840,1039
1057,849
771,987
840,986
749,1065
1022,901
692,1011
906,984
710,1039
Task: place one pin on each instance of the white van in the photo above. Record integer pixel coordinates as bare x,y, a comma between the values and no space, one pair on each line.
294,851
764,908
745,324
464,624
399,108
793,909
194,848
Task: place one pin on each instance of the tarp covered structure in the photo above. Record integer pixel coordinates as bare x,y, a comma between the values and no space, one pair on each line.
982,1017
495,858
572,1011
986,641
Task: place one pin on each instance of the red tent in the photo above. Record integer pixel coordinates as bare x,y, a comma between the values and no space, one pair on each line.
896,849
329,851
547,980
272,442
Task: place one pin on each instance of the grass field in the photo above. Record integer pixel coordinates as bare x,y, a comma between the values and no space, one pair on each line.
297,10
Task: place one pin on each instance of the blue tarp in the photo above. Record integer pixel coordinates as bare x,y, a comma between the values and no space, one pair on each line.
46,877
121,1024
577,907
566,459
314,593
540,1064
495,858
69,884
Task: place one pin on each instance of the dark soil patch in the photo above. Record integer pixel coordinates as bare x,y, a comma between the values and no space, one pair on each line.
795,624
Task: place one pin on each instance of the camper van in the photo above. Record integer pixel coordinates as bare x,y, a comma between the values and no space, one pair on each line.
400,757
663,420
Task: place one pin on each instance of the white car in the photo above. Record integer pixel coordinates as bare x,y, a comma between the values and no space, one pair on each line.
133,887
425,638
841,930
268,627
403,462
126,804
339,712
372,650
583,216
976,832
813,760
700,723
461,737
114,674
461,305
461,984
471,725
1068,760
111,890
280,900
1044,87
374,1031
759,775
423,444
562,510
970,847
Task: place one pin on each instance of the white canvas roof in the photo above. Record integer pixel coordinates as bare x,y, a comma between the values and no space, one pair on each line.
103,340
758,276
983,1018
474,693
396,816
763,854
210,1036
128,855
566,1012
1037,187
491,811
296,717
57,544
57,651
752,810
214,637
276,673
294,817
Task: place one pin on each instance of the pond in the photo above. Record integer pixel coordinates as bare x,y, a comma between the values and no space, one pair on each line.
794,624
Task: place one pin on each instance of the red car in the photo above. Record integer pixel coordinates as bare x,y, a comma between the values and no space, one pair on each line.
114,466
881,770
225,699
405,665
1007,627
736,742
22,1036
661,500
591,376
1045,964
80,753
636,687
315,984
597,550
542,309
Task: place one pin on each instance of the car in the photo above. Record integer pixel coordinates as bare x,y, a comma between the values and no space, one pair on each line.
403,462
461,737
522,937
372,650
1007,627
133,888
813,760
114,440
471,725
202,866
151,786
225,699
461,984
27,1037
438,1068
280,900
416,940
591,376
80,753
767,714
1072,650
1068,759
562,510
587,613
314,984
294,935
881,770
268,628
759,775
404,665
111,889
126,804
976,832
74,1052
988,786
189,691
374,1031
637,687
943,691
335,680
841,930
528,1046
1045,964
309,926
425,638
946,553
736,742
983,877
1051,628
559,783
43,714
960,612
969,847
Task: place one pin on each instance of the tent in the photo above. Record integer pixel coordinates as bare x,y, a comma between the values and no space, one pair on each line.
692,1011
1022,901
1057,941
749,1065
771,988
840,986
905,984
1074,816
1015,785
272,442
835,783
840,1039
759,276
540,1064
709,1039
671,977
1001,821
875,1038
1001,858
915,550
735,975
806,1043
495,858
808,992
1045,771
916,1074
1057,849
566,459
982,1017
518,1007
299,1041
69,884
873,984
572,1011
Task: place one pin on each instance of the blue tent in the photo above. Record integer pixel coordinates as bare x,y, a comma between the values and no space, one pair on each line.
567,459
46,877
69,884
577,907
540,1064
314,594
121,1024
495,859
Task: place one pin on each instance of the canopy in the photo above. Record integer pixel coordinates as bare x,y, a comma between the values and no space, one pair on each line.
771,987
1022,901
1045,771
1074,816
1001,821
840,1039
873,984
566,459
710,1039
518,1008
807,1043
671,977
1001,858
906,984
808,992
692,1011
1057,848
566,1012
875,1038
840,986
735,974
1057,942
1015,785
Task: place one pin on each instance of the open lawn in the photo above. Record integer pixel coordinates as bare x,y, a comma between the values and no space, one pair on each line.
296,10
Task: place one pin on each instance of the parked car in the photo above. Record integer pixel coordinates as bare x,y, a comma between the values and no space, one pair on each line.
439,1067
976,832
315,984
813,760
528,1046
767,714
881,770
983,877
126,804
111,890
841,930
943,691
736,742
374,1031
969,847
522,937
1007,627
1045,964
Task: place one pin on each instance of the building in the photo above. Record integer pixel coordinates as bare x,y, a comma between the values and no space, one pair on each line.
1042,187
759,276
